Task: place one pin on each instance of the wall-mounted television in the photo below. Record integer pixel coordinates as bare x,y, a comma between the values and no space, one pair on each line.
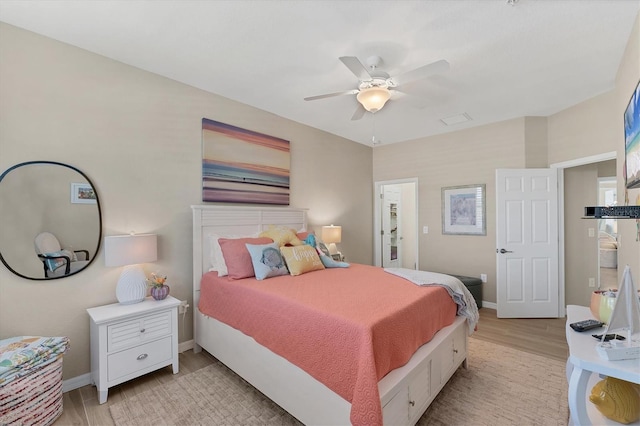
632,139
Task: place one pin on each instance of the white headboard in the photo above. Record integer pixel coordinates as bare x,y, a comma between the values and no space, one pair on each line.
233,221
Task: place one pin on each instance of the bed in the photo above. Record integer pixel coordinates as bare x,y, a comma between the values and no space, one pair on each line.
406,383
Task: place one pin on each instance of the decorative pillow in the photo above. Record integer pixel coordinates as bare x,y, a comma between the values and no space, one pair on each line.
57,262
282,235
236,256
215,256
328,262
323,252
215,252
301,259
267,260
323,249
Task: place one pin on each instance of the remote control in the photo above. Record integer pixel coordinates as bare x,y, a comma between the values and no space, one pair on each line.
586,325
609,337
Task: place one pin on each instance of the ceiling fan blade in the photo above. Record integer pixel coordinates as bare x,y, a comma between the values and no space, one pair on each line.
356,67
359,113
330,95
420,73
415,101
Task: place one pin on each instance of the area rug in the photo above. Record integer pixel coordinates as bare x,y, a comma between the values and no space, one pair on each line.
502,386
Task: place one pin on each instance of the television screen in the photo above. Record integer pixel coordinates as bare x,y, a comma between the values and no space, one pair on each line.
632,139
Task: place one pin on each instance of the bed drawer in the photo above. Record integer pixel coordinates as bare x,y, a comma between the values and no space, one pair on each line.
133,332
136,359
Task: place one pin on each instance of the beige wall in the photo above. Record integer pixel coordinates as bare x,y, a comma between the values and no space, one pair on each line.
595,127
138,138
581,250
471,156
461,158
626,81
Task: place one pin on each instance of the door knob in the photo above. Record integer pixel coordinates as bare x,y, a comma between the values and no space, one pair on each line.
503,251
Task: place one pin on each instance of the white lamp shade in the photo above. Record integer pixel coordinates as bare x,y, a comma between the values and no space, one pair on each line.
331,234
122,250
130,251
373,98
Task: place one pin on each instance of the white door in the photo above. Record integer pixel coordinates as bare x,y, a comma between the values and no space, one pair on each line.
527,243
391,227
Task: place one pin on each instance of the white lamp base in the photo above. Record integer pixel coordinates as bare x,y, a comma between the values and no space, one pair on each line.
132,285
332,249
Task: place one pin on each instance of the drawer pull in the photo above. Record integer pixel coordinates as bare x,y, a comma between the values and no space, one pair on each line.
142,356
412,403
142,331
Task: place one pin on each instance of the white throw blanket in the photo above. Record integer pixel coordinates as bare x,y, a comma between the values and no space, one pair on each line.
459,293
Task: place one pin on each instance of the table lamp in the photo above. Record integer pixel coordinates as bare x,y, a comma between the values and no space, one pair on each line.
130,251
330,236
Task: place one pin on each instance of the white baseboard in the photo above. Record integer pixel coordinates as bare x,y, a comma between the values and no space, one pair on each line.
185,346
85,379
490,305
76,382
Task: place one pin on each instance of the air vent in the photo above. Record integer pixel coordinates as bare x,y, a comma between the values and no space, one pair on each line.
456,119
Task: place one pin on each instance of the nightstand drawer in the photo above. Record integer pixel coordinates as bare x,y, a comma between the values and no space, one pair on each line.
136,359
130,333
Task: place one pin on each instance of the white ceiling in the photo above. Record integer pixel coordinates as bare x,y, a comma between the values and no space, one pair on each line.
533,58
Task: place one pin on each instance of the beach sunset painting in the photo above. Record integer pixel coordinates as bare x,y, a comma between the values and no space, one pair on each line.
242,166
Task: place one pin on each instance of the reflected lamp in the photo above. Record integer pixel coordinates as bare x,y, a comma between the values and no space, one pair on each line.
130,251
330,236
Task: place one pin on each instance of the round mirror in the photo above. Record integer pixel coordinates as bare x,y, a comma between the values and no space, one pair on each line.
50,220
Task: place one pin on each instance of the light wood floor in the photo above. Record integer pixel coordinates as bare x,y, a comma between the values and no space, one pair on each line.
544,337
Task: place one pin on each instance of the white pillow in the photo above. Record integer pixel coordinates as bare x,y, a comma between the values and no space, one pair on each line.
215,256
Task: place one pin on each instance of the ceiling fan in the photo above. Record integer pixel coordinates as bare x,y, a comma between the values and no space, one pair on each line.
376,86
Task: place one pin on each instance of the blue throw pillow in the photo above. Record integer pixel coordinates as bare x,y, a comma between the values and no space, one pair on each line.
56,262
325,258
267,260
328,262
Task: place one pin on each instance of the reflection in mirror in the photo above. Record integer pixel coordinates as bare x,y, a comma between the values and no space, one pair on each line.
50,220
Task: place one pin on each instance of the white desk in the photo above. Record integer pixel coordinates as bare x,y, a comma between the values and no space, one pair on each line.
583,361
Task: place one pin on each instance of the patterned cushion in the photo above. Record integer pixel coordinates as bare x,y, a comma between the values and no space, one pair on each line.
267,260
57,262
301,259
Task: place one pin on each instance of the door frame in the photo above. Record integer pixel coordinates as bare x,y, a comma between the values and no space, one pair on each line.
612,155
377,225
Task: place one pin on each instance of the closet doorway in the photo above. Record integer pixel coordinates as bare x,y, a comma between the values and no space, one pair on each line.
395,224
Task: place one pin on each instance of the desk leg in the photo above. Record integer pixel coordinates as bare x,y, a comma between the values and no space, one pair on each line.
577,396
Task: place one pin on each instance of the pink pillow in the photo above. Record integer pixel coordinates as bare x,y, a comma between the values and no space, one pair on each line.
237,257
303,235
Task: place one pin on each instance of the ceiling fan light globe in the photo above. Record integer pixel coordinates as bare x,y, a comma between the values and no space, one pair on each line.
373,98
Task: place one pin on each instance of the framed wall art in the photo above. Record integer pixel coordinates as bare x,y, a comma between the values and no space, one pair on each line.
82,193
464,210
243,166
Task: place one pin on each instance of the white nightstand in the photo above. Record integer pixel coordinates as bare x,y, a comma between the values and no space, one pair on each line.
128,341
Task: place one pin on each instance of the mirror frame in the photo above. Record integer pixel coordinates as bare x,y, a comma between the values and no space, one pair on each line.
56,163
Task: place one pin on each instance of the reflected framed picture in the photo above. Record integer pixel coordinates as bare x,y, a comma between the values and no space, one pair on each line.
82,193
464,210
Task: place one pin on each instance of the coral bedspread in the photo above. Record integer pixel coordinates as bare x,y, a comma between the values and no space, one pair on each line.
345,327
